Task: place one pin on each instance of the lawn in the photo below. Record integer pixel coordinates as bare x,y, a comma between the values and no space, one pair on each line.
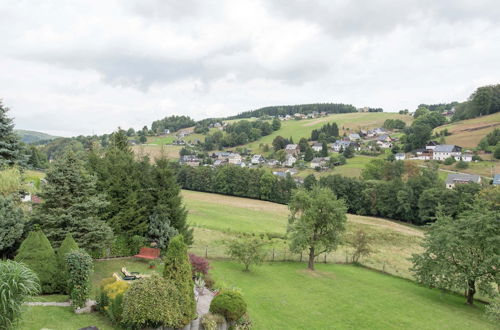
59,318
287,296
218,218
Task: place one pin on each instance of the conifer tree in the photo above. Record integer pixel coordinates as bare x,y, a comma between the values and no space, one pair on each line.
37,253
178,273
10,147
11,224
71,204
67,246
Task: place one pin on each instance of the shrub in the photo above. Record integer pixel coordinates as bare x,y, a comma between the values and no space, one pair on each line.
112,296
461,165
136,242
178,273
229,304
153,302
247,251
68,245
80,267
493,310
120,247
16,283
211,321
198,264
37,253
449,161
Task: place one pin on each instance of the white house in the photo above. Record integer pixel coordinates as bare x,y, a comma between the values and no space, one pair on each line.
319,162
342,145
400,156
234,159
458,178
467,157
443,151
257,159
317,146
384,144
290,160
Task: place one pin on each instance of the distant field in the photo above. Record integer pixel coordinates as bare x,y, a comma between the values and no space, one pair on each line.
287,296
468,133
155,151
217,218
353,121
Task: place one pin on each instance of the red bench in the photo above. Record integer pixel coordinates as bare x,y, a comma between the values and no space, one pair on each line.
148,253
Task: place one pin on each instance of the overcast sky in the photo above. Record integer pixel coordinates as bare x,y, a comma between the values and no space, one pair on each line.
83,67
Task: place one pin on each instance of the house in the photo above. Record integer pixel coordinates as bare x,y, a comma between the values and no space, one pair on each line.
273,162
219,162
354,137
458,178
317,146
466,157
234,158
496,180
342,145
384,144
384,138
190,160
290,161
443,151
431,145
292,149
422,154
319,162
400,156
221,154
257,159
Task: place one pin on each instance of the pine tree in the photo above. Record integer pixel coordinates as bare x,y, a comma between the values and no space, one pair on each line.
178,273
37,253
71,204
10,147
160,230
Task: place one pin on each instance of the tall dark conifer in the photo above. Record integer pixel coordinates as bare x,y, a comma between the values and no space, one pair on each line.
10,147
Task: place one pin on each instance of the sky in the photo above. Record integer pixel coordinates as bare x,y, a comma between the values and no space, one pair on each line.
87,67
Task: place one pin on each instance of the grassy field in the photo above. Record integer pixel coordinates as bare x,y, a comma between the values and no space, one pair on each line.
468,133
59,318
352,121
218,218
287,296
155,151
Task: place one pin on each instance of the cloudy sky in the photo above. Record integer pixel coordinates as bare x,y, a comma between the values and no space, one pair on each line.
83,67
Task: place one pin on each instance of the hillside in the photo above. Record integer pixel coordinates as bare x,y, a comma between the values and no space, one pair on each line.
33,136
468,133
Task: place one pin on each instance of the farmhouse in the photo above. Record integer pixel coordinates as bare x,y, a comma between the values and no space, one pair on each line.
443,151
290,161
458,178
319,162
257,159
292,149
317,146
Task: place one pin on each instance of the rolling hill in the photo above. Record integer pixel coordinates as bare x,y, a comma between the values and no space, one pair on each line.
33,136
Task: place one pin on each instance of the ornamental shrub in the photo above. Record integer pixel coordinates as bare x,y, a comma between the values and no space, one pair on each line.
229,304
211,321
113,298
198,264
68,245
37,253
17,282
80,268
153,302
178,273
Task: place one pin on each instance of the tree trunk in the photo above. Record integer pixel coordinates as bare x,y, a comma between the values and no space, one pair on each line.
471,290
310,265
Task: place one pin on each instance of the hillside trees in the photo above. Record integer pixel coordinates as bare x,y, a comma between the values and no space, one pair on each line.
484,101
72,204
10,146
462,253
317,222
283,110
173,123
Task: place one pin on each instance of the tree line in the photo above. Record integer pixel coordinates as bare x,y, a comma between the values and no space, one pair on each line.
172,123
283,110
484,101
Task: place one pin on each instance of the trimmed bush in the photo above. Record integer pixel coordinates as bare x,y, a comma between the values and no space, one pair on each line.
80,268
153,302
229,304
68,245
111,301
37,253
16,283
198,264
178,273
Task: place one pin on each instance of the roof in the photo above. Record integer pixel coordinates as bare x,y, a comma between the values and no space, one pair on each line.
317,144
354,136
458,177
291,146
496,179
446,148
400,155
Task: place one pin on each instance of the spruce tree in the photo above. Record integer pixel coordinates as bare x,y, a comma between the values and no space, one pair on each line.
71,204
67,246
10,147
178,273
37,253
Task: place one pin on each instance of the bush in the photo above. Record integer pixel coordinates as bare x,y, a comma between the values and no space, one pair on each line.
178,273
449,161
135,244
493,310
80,267
198,264
153,302
247,251
16,283
37,253
461,165
229,304
211,321
110,299
120,247
67,245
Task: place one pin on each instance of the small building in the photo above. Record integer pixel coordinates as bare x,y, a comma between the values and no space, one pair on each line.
431,145
317,146
292,149
190,160
384,138
273,162
460,178
234,158
354,137
219,162
319,162
443,151
400,156
384,144
496,180
466,157
257,159
290,161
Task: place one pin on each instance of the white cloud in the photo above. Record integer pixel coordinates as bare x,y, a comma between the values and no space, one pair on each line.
78,67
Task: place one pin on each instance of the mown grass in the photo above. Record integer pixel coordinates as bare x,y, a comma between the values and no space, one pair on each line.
287,296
